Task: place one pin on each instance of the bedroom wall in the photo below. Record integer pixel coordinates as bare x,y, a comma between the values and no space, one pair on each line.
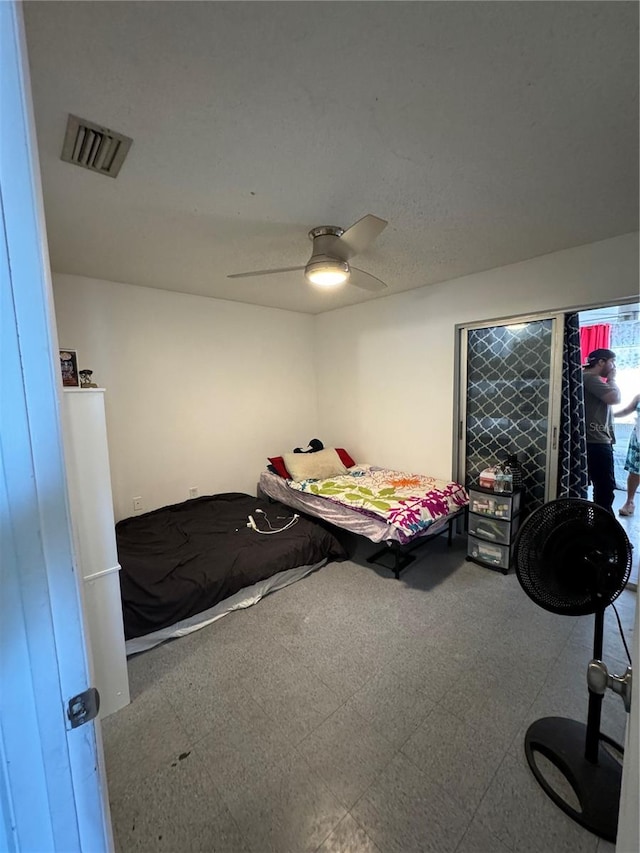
199,391
386,367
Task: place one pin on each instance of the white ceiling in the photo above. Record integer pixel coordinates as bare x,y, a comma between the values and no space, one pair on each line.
486,133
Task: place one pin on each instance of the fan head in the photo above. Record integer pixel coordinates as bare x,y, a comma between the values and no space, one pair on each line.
332,247
572,557
324,269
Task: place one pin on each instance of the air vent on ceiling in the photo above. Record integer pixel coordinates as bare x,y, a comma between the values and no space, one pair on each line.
627,313
94,147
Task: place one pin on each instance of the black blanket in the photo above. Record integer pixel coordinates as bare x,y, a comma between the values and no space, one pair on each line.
182,559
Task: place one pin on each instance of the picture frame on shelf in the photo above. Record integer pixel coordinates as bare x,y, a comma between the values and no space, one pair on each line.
69,368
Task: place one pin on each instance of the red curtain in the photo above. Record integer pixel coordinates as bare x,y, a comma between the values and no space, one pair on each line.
594,337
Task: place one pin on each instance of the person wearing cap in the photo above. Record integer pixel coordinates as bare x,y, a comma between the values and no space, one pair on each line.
600,394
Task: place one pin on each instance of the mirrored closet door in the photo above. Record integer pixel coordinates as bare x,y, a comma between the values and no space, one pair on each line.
510,377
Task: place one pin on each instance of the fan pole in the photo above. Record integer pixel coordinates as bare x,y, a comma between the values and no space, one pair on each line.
592,739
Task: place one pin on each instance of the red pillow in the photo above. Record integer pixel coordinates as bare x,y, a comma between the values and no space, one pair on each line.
281,468
346,460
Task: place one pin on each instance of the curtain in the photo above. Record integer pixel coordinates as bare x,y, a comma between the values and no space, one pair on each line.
594,337
572,446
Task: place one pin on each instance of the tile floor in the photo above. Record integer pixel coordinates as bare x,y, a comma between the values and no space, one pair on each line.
631,525
353,713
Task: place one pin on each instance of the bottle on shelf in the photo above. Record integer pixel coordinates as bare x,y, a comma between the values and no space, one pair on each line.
498,485
516,470
507,479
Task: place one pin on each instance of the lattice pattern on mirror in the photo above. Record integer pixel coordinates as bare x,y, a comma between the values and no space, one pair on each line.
508,386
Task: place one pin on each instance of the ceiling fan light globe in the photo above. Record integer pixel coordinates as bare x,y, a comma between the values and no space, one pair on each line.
327,273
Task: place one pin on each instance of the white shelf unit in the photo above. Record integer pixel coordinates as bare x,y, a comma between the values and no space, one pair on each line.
89,479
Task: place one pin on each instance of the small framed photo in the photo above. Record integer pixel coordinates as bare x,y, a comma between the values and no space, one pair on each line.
69,368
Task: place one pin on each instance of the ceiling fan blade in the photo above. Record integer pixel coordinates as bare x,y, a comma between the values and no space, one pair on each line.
359,236
264,272
366,281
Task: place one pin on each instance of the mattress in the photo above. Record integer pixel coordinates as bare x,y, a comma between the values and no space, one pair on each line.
426,505
242,599
183,560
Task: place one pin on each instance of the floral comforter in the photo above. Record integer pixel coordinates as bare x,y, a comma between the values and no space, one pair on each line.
409,502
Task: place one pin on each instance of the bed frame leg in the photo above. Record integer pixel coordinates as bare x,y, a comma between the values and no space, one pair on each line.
401,559
396,567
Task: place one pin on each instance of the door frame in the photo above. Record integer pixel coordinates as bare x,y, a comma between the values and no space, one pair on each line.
555,391
52,785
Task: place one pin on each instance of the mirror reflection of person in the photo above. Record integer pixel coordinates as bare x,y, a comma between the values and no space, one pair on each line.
632,464
600,394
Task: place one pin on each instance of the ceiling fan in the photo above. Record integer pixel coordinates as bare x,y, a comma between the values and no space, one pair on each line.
332,247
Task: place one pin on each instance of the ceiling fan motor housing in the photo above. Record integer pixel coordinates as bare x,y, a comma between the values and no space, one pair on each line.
324,241
326,265
326,230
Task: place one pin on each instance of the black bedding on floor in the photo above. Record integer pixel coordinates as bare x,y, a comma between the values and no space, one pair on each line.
182,559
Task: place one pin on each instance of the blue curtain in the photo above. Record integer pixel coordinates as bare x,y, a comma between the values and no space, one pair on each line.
572,446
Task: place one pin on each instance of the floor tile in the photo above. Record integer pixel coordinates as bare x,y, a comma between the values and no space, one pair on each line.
490,701
404,811
294,696
478,839
459,758
348,753
348,837
606,847
203,702
243,742
518,812
341,668
176,810
219,650
394,706
146,670
141,738
288,809
631,526
433,666
117,847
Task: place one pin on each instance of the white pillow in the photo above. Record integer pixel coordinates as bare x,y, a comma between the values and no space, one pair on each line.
314,466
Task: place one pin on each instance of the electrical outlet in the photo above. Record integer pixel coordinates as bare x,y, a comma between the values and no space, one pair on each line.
193,492
137,504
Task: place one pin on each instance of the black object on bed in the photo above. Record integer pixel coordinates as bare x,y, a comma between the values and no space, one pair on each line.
182,559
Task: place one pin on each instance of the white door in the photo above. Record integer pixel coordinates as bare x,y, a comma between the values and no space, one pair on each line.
52,789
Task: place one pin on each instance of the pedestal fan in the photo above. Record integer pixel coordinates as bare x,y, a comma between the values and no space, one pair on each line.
572,557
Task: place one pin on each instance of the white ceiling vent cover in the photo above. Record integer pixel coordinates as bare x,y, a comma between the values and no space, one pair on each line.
94,147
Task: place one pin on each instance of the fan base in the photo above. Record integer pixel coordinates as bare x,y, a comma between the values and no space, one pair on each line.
597,786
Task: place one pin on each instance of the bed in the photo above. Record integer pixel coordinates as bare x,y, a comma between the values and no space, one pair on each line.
186,565
400,509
